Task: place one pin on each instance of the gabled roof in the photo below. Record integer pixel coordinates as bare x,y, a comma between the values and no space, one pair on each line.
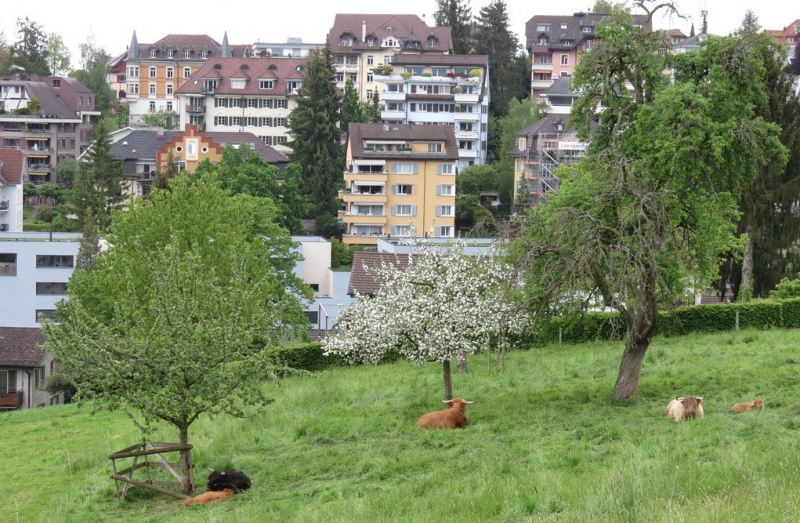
566,27
12,161
562,86
358,132
226,68
53,104
181,42
19,347
365,283
547,124
381,26
265,151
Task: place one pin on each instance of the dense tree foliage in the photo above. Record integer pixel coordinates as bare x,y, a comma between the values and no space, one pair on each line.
30,49
457,15
352,110
98,184
180,316
316,145
649,211
57,55
158,118
519,115
444,304
372,110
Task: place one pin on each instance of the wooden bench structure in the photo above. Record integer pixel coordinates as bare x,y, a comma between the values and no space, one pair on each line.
142,454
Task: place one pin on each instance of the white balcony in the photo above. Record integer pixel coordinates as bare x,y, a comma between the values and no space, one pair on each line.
466,135
541,67
348,68
466,98
466,117
393,115
467,153
393,96
541,84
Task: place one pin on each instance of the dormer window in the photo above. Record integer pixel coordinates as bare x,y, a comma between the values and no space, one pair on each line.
542,40
217,67
567,42
153,53
563,26
370,41
266,84
543,27
432,42
272,67
390,42
170,53
559,126
237,83
347,41
187,53
204,54
586,29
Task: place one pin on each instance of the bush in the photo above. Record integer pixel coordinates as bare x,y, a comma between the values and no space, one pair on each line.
786,288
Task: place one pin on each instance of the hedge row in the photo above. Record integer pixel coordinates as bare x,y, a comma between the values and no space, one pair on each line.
756,314
310,357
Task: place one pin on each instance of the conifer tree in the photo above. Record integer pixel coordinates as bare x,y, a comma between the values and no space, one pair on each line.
457,15
373,108
89,248
352,110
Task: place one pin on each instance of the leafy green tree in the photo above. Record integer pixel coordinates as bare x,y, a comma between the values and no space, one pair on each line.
606,7
181,315
316,139
167,172
519,115
66,171
522,199
92,74
30,51
457,15
159,118
58,55
52,191
787,288
373,108
98,186
352,110
5,54
654,204
476,179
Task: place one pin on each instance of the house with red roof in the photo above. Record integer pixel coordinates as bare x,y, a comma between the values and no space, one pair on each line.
24,367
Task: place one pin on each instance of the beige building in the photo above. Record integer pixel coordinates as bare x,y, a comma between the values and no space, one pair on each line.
399,175
361,42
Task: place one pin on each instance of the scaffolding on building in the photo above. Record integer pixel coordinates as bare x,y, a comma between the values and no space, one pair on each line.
551,151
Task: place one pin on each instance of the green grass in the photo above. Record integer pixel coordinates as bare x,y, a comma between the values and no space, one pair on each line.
545,444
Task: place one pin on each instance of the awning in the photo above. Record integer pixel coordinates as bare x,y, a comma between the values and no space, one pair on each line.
369,162
37,174
539,71
38,156
37,138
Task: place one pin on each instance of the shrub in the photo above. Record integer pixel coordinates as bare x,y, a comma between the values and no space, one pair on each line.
406,75
475,73
786,288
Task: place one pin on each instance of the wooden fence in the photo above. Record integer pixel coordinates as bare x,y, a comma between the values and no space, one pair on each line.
145,451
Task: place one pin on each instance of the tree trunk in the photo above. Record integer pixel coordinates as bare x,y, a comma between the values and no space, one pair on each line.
462,363
629,369
746,288
448,380
186,463
641,324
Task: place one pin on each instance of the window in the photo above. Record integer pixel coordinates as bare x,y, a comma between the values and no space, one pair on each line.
446,168
236,121
414,70
56,83
404,210
354,78
237,83
563,26
435,147
169,89
48,260
266,84
369,94
370,41
152,107
521,144
187,53
266,103
293,85
170,53
370,59
204,54
542,40
153,53
169,106
402,189
8,264
133,70
446,190
152,89
265,121
543,27
46,314
220,102
340,77
404,168
401,230
152,72
445,231
395,106
51,288
544,58
187,72
388,59
589,43
567,42
252,103
432,41
370,77
280,103
170,72
445,210
586,29
439,71
564,59
221,120
347,42
8,381
280,122
252,121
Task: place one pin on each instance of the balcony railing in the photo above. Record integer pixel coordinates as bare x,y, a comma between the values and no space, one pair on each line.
10,400
195,108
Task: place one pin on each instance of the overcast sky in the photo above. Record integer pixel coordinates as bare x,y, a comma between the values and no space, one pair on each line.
112,23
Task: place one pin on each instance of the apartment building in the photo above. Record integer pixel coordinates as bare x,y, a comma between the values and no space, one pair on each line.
451,90
398,175
12,173
154,72
361,42
555,43
243,95
47,118
292,48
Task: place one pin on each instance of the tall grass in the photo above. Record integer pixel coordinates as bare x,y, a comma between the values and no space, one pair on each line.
545,443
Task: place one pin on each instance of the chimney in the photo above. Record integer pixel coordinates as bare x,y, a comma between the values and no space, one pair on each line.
160,132
363,31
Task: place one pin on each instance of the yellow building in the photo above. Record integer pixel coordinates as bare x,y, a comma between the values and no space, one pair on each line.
399,175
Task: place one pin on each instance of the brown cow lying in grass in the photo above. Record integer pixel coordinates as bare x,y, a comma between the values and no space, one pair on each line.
449,418
750,405
684,408
209,497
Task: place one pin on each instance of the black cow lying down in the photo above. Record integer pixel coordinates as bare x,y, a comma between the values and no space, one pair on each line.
232,479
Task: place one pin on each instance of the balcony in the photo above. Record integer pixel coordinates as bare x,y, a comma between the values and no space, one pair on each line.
393,115
467,153
8,269
393,96
541,84
466,135
466,98
465,117
362,219
196,109
10,400
347,68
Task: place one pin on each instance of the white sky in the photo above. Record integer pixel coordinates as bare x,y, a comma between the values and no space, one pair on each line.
112,23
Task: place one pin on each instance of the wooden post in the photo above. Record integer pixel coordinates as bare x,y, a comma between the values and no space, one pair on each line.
737,321
560,332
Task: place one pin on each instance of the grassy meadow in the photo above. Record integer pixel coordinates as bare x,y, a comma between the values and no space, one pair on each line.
544,444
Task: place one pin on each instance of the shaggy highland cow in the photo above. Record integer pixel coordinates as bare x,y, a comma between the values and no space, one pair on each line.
449,418
750,405
209,497
231,479
684,408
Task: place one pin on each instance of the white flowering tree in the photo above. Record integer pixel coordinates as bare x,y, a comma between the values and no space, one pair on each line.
444,303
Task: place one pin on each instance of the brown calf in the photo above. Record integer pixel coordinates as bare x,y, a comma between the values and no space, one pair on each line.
449,418
750,405
209,497
684,408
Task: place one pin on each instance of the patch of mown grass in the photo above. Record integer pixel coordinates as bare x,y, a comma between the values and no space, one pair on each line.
545,443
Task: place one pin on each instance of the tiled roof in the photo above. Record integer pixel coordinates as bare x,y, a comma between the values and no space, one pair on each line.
256,68
365,283
358,132
573,28
52,105
12,160
19,347
547,125
181,42
267,153
380,26
562,86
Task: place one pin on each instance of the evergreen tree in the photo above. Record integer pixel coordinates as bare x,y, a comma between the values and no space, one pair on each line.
691,31
352,110
98,186
166,173
522,199
796,61
29,51
89,248
373,108
457,15
316,145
